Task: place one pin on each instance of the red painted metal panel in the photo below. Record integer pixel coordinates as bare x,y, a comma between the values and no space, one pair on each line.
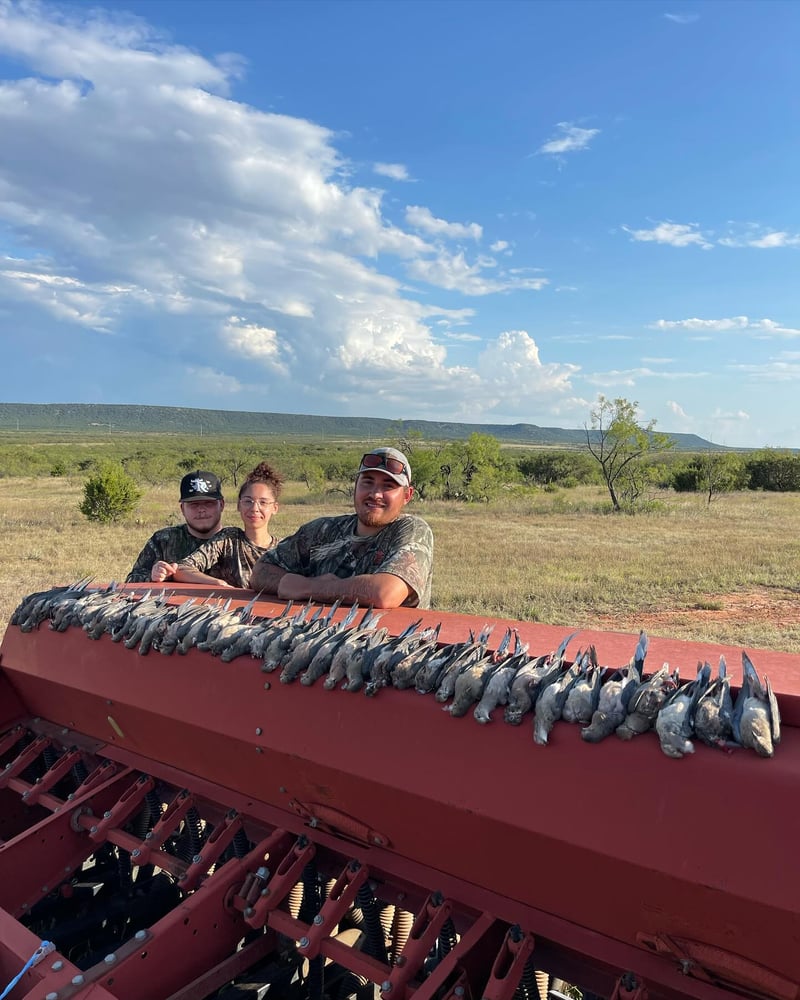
614,838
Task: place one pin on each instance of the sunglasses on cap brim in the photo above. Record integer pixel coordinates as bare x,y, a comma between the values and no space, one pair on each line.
393,465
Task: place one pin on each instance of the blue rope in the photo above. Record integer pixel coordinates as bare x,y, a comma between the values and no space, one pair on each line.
44,949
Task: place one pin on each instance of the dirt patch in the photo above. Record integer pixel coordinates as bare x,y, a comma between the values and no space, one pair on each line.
775,606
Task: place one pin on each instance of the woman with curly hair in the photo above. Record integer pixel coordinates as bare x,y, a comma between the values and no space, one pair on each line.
228,558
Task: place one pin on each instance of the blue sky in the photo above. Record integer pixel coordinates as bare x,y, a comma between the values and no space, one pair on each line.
485,212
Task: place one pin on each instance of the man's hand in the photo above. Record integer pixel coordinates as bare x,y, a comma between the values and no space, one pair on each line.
162,571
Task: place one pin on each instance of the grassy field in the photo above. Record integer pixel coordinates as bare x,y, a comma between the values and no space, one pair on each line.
727,573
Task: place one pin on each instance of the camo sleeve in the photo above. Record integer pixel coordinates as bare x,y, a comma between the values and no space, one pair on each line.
213,557
408,554
331,545
170,544
144,563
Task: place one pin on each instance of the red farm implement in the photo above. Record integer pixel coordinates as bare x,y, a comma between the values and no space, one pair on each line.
181,828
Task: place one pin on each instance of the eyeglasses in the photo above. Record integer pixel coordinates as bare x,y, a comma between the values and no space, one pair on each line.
251,504
393,465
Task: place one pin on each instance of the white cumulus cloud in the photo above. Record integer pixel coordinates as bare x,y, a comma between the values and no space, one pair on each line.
675,234
397,171
219,245
569,139
763,327
422,218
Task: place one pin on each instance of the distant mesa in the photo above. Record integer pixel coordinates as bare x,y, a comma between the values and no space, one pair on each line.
121,419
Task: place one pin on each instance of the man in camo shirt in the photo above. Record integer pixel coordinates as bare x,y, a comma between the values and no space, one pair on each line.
202,504
379,556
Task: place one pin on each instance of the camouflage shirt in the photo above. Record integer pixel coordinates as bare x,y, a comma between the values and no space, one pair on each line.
331,545
228,556
170,544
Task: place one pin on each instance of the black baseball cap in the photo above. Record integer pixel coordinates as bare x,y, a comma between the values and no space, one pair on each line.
200,486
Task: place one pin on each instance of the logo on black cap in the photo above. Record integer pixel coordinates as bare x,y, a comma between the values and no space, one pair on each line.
200,486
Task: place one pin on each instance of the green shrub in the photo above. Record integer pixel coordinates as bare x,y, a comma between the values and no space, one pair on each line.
109,495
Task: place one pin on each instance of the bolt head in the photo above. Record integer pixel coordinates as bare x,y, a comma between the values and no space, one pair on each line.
51,996
140,935
197,859
56,966
110,958
259,730
77,980
318,919
303,942
386,986
107,814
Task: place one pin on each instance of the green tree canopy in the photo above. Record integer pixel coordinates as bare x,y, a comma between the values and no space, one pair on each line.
622,448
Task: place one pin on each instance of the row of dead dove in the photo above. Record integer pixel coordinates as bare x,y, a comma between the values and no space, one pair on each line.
307,645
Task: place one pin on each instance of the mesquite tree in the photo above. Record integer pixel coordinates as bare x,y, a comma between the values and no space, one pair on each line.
622,447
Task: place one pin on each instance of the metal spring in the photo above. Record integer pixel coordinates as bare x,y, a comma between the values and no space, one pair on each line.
375,943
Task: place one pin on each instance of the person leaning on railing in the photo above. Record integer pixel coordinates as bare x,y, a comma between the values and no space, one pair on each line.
380,555
201,503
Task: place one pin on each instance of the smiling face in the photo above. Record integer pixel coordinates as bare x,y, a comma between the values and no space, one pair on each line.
379,500
256,506
202,516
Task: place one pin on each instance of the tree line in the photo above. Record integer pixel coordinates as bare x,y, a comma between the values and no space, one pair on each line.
630,459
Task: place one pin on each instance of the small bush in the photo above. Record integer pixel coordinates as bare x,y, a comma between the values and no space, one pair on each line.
109,495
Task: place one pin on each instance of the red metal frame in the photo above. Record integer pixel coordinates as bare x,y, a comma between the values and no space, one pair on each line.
608,858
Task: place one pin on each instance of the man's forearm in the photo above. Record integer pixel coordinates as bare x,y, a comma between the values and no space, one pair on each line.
266,577
380,590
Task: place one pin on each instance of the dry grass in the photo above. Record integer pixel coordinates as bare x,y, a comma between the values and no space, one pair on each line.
550,557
